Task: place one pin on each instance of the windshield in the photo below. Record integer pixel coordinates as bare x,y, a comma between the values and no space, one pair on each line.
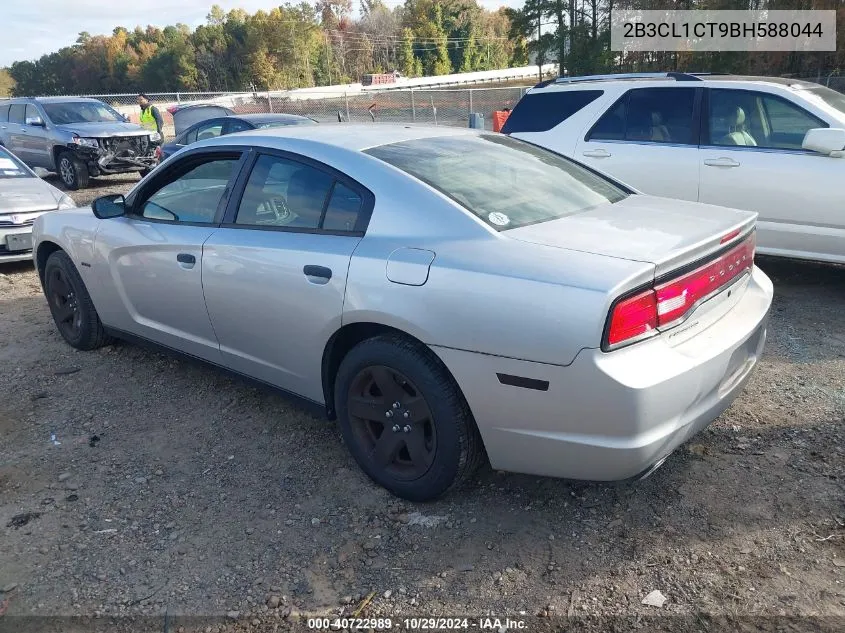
70,112
284,123
11,167
830,97
505,182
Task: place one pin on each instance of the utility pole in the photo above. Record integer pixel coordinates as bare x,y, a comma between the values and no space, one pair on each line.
539,45
328,62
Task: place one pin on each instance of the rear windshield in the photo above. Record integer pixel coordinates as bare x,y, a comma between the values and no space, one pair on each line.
11,167
505,182
70,112
284,123
541,111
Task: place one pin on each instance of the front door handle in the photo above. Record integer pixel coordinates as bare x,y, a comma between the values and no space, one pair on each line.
597,153
317,274
721,162
186,260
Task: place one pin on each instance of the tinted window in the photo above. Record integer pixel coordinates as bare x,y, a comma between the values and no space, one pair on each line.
70,112
343,209
653,115
16,113
236,125
505,182
11,167
756,119
541,111
4,113
284,193
31,112
194,195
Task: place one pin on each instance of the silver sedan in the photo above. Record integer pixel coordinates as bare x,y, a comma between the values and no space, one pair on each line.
446,295
23,197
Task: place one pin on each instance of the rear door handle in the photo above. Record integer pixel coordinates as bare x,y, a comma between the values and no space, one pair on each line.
186,260
597,153
721,162
317,274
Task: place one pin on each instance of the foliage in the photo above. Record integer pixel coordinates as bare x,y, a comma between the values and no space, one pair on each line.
290,46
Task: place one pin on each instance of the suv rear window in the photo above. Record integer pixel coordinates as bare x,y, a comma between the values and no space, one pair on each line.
4,113
505,182
541,111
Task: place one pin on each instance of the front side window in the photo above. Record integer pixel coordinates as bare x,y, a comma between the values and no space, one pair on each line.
505,182
284,193
652,115
72,112
194,195
31,112
756,119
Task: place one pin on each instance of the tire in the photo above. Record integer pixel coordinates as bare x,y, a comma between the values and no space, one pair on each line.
437,413
70,304
72,172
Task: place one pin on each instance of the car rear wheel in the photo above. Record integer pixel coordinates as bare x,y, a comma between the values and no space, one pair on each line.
72,172
71,305
404,419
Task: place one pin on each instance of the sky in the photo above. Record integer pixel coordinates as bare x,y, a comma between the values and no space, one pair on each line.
31,28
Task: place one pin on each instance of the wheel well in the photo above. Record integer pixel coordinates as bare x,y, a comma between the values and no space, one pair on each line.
57,151
343,341
45,249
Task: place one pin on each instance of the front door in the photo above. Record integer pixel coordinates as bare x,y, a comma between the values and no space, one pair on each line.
751,158
151,281
36,144
648,140
275,272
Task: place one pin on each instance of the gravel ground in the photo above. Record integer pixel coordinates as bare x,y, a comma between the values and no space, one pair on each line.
171,488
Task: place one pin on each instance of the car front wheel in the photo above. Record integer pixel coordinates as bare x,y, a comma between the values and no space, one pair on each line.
72,172
404,419
71,305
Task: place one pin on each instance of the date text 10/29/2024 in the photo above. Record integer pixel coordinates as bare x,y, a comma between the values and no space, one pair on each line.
416,624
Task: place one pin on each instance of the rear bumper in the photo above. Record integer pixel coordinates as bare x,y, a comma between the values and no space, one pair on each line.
10,252
611,416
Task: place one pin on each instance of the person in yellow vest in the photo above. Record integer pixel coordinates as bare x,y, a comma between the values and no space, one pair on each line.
150,116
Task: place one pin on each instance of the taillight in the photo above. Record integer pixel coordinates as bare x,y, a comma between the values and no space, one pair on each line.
667,303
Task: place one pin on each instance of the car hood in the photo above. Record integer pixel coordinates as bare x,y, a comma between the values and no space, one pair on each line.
104,130
667,233
23,195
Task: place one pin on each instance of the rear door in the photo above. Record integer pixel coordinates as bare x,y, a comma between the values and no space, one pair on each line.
649,140
751,158
275,272
151,281
16,131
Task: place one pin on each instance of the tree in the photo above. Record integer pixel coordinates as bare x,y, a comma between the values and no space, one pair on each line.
7,84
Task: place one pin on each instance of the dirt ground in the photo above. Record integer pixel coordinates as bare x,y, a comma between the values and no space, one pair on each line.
135,484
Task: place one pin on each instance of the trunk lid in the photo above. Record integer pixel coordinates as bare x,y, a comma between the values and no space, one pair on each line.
187,115
666,233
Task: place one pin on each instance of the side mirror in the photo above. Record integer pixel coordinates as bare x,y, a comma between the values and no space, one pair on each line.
111,206
35,121
824,140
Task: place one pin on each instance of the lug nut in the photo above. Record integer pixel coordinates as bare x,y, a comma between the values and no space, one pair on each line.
406,414
395,428
388,414
407,428
396,405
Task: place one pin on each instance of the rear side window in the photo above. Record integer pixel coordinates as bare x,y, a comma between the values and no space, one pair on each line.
16,113
651,115
4,114
541,111
343,209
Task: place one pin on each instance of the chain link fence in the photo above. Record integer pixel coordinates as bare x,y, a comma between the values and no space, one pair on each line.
427,106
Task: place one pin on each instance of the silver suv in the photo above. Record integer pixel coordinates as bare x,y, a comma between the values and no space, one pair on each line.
76,138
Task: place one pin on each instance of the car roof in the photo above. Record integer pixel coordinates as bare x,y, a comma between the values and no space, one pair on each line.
260,117
53,99
686,79
350,136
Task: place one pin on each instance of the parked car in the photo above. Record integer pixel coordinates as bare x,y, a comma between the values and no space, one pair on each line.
220,126
23,197
76,138
442,292
765,144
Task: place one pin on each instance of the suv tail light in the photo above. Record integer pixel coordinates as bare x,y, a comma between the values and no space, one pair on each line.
666,304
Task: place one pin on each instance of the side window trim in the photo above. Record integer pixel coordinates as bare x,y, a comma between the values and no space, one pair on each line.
705,124
138,197
237,192
695,122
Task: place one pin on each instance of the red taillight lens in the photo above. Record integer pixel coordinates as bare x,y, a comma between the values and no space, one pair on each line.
670,301
633,317
172,109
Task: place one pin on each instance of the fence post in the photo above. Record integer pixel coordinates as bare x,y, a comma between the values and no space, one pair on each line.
434,110
346,98
470,101
178,98
413,108
269,102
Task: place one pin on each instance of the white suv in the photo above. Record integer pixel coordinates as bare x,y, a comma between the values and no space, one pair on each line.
771,145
